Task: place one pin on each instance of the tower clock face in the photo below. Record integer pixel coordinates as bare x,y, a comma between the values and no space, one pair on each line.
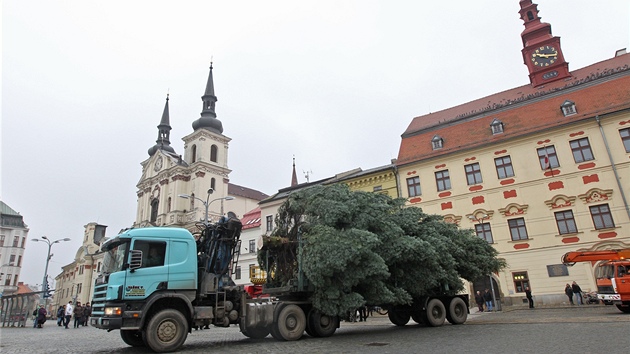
544,56
158,164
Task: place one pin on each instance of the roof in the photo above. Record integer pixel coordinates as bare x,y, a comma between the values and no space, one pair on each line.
7,210
600,88
251,219
236,190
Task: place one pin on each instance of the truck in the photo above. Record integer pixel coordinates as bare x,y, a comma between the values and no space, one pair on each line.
158,283
611,274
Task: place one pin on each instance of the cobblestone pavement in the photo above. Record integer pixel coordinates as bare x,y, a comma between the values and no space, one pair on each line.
520,331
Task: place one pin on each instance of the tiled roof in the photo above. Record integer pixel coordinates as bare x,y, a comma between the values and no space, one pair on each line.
251,219
236,190
598,89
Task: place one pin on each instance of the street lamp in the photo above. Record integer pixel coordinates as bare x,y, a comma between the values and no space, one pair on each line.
473,217
50,243
206,202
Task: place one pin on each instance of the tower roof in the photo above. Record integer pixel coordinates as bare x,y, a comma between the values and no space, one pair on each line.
164,131
208,119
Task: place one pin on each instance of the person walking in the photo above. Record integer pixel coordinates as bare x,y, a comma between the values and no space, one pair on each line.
569,292
69,309
479,300
60,313
528,294
78,315
487,296
577,293
87,311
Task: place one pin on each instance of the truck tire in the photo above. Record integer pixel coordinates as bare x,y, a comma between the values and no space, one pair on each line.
623,308
457,311
320,325
290,324
132,338
436,313
166,331
258,332
398,317
419,317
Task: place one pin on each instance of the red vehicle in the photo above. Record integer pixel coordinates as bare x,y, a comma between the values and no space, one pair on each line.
613,278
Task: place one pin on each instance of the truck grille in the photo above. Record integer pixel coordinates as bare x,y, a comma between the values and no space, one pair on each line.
605,290
98,301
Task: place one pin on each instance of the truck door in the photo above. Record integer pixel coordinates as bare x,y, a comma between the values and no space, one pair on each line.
622,281
153,274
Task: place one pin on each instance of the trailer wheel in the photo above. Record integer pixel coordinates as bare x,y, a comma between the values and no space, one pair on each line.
436,313
398,317
624,309
166,331
132,338
258,332
290,324
320,325
457,311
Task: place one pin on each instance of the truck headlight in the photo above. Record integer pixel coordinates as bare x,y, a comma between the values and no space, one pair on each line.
113,311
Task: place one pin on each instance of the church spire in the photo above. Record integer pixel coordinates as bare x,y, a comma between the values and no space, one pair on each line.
164,132
208,118
294,181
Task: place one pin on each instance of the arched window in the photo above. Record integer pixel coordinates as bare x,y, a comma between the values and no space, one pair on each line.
193,153
154,209
168,206
212,183
213,153
530,15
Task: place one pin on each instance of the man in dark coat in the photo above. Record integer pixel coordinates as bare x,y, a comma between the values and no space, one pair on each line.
41,316
577,293
569,291
479,300
528,294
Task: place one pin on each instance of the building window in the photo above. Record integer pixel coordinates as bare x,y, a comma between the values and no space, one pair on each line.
568,108
625,138
11,260
213,183
602,218
16,241
81,269
496,126
521,281
517,229
19,264
192,202
504,167
548,158
7,281
377,188
483,231
193,154
1,240
443,180
23,242
565,222
581,150
437,142
213,153
168,205
473,174
154,210
252,246
237,273
413,186
269,220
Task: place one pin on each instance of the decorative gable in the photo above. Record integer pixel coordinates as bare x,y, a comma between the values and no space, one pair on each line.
560,201
596,195
514,209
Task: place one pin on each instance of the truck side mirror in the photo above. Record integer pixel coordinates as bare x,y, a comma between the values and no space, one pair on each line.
136,259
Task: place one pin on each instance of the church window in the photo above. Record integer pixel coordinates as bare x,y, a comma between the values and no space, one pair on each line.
213,183
192,202
530,15
437,142
193,153
168,206
154,210
213,153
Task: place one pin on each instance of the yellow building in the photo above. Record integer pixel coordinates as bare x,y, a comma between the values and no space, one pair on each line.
537,170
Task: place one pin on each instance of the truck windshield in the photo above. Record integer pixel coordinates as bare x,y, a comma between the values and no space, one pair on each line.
115,256
605,271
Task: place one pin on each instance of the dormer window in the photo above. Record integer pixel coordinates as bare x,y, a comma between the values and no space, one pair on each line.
437,142
496,126
568,108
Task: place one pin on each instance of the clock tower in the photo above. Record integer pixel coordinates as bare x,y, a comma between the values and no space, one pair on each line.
541,50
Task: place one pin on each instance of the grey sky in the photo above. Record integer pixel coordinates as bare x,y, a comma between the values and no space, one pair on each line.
334,83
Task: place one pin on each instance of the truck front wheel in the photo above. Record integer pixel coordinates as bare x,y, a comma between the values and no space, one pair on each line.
624,308
436,313
166,331
132,338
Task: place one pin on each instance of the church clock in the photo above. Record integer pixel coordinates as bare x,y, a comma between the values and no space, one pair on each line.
544,56
158,164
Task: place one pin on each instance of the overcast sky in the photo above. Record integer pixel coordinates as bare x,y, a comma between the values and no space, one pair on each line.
333,83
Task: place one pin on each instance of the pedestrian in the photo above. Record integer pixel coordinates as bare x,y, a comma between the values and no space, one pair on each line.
362,314
35,317
479,300
41,316
569,291
87,311
78,314
69,309
60,313
577,293
528,294
487,296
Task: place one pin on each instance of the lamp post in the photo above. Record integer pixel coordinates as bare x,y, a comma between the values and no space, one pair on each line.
473,217
50,244
206,202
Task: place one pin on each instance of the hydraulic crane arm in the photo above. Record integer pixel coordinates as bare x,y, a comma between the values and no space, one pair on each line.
571,258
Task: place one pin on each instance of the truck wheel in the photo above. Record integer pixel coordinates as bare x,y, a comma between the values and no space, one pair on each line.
320,325
253,333
436,313
290,324
166,331
419,317
457,311
132,338
624,309
398,317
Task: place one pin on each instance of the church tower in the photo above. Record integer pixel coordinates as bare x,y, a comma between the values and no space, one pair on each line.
541,50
